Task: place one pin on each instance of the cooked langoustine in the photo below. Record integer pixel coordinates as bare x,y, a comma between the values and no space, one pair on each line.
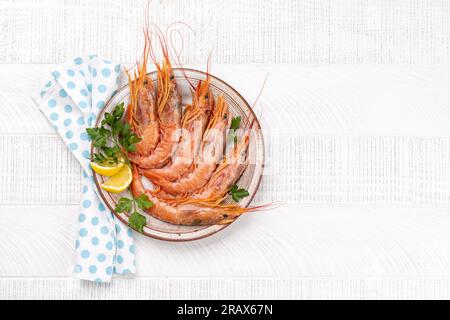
220,183
186,214
211,154
142,112
169,113
194,122
227,173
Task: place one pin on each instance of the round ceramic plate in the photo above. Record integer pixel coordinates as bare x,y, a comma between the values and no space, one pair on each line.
249,180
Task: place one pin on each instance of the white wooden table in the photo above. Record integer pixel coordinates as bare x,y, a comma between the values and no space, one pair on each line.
356,112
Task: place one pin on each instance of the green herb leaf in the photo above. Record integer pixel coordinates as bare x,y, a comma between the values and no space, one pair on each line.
99,158
124,205
235,123
143,202
137,221
119,111
238,193
114,138
99,136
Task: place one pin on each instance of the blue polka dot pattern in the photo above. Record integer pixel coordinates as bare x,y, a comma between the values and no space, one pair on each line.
87,203
71,100
106,72
62,93
73,146
100,104
95,221
85,254
101,257
56,74
83,232
102,88
91,120
126,271
51,103
84,136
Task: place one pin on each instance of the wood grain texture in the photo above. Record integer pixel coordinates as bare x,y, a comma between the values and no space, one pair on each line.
287,241
381,31
328,132
228,288
358,153
401,171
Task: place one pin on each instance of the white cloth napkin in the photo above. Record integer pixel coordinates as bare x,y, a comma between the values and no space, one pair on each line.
71,100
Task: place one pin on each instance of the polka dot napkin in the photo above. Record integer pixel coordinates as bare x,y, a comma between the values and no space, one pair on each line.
71,100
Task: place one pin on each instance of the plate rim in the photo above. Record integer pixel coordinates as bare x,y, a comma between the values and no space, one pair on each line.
219,227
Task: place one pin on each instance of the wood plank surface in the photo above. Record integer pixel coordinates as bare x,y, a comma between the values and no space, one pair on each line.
251,31
355,116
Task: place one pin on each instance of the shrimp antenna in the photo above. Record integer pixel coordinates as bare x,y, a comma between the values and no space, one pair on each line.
248,123
178,53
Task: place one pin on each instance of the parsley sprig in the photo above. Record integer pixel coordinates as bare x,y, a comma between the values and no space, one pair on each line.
235,124
238,193
136,220
114,138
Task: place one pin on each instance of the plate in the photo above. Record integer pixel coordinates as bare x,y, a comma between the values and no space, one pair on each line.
249,180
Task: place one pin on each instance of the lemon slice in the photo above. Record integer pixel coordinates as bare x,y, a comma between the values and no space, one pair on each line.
119,182
106,168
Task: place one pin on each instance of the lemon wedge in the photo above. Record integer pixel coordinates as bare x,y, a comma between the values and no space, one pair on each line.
107,169
119,182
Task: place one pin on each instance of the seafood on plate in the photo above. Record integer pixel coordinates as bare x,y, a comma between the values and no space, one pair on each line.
185,151
194,122
141,113
169,115
211,154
